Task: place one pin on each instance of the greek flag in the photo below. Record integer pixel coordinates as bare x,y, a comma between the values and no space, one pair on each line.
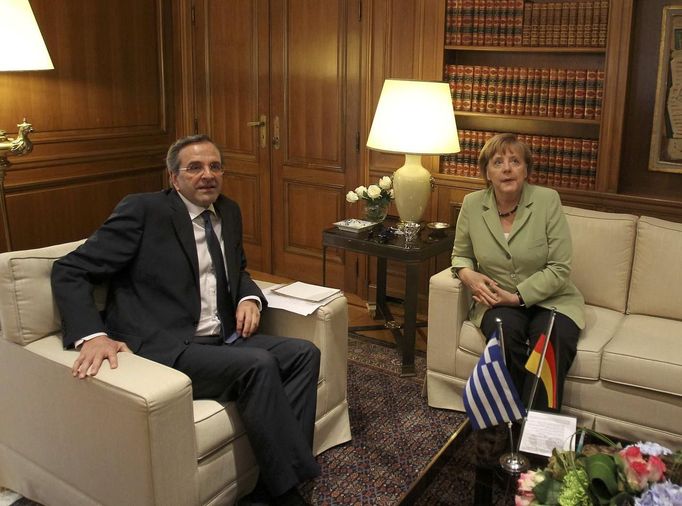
490,397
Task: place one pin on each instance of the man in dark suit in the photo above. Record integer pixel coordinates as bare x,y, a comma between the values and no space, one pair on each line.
179,294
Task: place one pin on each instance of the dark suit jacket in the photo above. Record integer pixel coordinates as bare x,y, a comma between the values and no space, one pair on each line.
147,253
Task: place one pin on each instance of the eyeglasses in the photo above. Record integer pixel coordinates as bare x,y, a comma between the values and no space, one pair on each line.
194,169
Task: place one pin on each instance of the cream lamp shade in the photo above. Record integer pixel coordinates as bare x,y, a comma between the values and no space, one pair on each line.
415,118
22,44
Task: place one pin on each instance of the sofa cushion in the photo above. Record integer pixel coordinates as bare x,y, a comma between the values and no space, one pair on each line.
631,358
216,425
28,311
603,246
471,338
656,287
600,326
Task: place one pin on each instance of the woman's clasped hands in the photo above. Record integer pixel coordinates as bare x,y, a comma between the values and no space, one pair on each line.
485,290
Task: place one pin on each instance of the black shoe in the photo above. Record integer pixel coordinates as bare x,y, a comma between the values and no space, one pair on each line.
258,497
290,498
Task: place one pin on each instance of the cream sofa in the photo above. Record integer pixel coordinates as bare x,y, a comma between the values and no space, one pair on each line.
626,380
131,435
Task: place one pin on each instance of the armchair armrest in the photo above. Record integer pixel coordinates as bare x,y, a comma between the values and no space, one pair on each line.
449,302
327,328
143,448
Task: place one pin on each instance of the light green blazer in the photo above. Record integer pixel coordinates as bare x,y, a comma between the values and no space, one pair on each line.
535,259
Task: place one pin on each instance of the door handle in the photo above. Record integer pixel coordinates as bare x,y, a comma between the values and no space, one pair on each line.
263,134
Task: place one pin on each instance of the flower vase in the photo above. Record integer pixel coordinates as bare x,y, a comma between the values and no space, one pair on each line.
375,211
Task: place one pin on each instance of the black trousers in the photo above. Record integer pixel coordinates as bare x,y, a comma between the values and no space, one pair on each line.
274,383
522,328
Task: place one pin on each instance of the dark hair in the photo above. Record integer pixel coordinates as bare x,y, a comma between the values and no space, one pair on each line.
173,156
498,144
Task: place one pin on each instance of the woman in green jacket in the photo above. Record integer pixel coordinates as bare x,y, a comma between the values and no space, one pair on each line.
513,251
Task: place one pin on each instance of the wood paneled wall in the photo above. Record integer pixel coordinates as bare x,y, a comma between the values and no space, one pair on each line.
103,118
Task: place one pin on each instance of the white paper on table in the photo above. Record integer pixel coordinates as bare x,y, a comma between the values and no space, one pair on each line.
305,291
545,431
294,305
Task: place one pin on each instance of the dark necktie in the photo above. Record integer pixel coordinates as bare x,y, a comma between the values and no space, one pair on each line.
224,300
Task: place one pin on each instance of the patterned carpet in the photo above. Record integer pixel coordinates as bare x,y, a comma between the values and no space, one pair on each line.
395,433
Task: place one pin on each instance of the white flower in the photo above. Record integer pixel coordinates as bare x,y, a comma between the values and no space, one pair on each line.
352,197
374,192
392,193
649,448
361,191
385,183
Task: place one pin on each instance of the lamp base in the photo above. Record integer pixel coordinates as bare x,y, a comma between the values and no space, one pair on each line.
412,185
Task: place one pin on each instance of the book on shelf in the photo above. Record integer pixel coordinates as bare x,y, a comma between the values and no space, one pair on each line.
603,22
462,14
500,84
526,23
580,25
526,27
514,36
569,86
476,89
599,94
594,152
467,87
552,153
579,95
575,164
534,24
552,94
491,86
588,24
584,174
566,167
590,93
542,24
501,19
548,92
544,92
560,162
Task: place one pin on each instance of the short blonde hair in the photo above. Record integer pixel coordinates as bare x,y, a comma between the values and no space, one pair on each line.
499,144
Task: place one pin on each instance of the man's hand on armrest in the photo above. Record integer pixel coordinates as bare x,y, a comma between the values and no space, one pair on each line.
92,354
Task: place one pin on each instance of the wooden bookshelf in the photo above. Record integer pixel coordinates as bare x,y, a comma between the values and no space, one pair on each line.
566,106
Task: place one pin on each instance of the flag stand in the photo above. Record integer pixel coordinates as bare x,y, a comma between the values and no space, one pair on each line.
513,462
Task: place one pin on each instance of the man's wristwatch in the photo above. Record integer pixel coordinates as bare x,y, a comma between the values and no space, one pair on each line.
521,301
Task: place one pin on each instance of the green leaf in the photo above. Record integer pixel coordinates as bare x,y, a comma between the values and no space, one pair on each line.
547,491
601,471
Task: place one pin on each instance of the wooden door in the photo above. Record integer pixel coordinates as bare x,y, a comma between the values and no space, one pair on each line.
314,100
231,90
295,64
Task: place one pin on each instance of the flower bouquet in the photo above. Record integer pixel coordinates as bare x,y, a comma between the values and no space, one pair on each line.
377,197
645,474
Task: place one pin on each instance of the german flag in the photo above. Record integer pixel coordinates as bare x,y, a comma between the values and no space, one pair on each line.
548,372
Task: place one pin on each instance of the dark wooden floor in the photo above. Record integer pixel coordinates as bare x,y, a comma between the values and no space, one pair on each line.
358,313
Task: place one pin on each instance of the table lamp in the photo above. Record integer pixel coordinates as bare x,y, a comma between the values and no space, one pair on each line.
23,48
415,118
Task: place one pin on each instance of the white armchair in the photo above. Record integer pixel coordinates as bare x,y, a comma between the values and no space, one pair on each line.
131,435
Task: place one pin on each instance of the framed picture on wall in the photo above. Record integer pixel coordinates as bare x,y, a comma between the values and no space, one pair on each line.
666,135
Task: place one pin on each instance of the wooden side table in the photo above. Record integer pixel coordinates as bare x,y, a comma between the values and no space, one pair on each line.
372,242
